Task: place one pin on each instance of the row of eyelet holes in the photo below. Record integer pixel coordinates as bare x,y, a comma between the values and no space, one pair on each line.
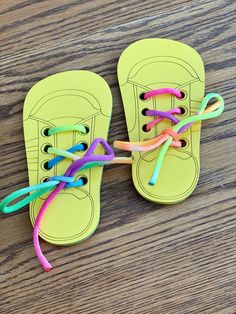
45,148
183,109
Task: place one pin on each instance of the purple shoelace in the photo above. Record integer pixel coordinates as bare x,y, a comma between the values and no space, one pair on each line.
70,172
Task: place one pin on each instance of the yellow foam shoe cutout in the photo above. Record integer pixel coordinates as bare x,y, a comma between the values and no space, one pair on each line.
68,98
153,64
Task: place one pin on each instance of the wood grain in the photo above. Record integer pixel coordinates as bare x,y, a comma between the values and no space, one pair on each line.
143,258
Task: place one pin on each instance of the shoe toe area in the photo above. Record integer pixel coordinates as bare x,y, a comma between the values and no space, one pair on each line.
69,220
177,179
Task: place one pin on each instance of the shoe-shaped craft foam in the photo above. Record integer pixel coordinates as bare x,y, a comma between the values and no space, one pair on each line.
153,64
68,98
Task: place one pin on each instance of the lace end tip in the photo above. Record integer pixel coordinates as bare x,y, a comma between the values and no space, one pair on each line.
48,268
151,182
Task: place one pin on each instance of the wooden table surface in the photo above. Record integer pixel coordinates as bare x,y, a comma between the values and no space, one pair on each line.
143,258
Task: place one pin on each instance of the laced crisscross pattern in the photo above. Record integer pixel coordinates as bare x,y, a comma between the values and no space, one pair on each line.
56,183
168,137
171,136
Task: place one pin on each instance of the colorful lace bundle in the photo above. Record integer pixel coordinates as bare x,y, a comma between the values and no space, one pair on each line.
170,136
55,184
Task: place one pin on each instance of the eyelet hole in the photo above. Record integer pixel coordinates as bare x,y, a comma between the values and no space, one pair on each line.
144,111
87,130
184,143
183,95
45,166
45,132
183,110
144,128
45,179
84,179
46,147
85,146
141,96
